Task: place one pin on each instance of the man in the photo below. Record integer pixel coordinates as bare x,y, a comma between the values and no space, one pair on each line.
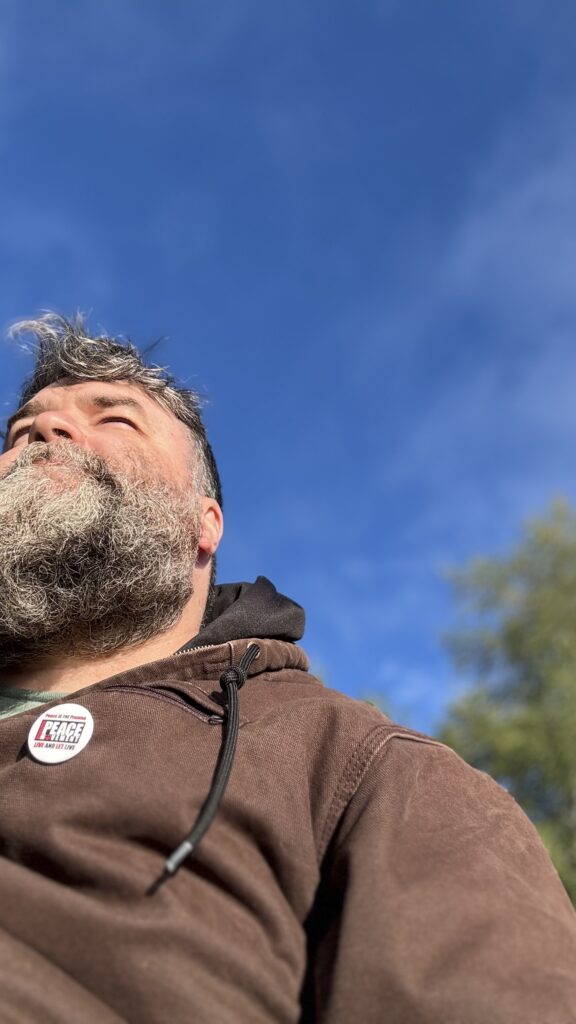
339,869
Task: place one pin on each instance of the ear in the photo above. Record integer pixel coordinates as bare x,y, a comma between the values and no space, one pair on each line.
212,526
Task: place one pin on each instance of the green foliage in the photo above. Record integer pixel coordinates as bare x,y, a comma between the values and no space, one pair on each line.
518,722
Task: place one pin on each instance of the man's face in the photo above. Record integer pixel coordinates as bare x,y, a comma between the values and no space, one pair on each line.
101,525
119,422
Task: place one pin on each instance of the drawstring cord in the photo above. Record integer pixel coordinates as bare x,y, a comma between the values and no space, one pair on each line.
231,680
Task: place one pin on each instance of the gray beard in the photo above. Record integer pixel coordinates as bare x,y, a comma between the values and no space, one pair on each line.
91,559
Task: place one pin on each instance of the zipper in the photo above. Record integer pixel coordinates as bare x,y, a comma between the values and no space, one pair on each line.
188,650
208,647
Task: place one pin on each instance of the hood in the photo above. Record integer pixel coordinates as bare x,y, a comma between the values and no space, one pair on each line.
244,610
238,611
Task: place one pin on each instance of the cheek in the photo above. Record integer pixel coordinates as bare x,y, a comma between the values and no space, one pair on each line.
178,460
7,459
129,457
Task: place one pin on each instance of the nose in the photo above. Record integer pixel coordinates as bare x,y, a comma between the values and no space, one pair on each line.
54,426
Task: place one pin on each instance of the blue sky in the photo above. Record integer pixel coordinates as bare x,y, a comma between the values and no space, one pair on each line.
355,226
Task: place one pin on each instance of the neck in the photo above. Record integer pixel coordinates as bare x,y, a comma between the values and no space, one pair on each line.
68,673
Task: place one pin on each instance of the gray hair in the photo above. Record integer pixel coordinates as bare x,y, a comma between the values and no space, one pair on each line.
66,354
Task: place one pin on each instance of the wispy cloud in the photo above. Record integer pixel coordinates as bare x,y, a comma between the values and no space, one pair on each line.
491,314
53,246
513,256
503,279
127,45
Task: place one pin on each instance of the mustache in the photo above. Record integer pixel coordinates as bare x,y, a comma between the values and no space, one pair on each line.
65,453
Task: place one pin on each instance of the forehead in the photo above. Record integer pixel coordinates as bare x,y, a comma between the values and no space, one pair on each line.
87,395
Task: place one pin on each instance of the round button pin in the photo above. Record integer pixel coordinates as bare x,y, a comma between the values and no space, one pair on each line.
60,733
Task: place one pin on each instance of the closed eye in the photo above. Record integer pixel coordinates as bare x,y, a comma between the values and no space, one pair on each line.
19,432
118,419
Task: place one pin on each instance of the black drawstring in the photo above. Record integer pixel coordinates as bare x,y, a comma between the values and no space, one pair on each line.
231,680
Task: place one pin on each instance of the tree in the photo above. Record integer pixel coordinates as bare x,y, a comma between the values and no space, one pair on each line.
518,721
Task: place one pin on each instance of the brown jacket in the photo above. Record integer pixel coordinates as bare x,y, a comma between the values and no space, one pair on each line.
355,872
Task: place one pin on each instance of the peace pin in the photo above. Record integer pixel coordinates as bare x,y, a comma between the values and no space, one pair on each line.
60,733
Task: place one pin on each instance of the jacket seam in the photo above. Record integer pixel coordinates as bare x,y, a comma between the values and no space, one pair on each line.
358,764
203,716
221,707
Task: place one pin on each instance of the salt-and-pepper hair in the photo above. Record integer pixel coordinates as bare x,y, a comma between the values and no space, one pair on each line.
66,354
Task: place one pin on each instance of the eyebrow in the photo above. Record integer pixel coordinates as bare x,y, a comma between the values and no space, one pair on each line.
34,407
